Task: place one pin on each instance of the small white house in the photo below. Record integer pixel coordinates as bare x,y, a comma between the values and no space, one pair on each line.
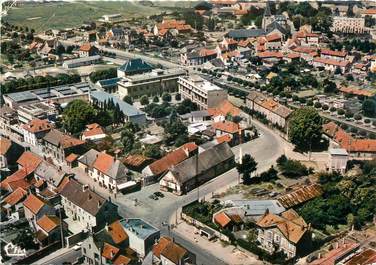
338,158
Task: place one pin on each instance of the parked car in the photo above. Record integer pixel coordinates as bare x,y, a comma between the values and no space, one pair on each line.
153,197
159,194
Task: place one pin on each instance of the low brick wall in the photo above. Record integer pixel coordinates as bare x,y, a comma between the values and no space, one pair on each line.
200,225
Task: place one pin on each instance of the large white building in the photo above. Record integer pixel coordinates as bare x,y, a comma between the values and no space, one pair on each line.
338,158
348,24
202,92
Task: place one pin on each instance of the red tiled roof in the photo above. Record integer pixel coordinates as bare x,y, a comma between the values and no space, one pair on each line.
109,251
222,219
86,47
103,162
273,37
16,196
34,203
93,131
162,244
48,222
269,54
117,232
306,50
136,160
366,257
331,257
171,159
71,158
224,138
223,109
355,91
371,11
29,161
5,144
226,126
331,62
333,53
291,225
122,260
207,52
37,125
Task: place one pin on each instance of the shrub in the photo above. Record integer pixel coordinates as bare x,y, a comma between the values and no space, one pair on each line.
166,97
367,121
332,109
156,99
317,105
357,117
178,97
325,107
144,100
340,112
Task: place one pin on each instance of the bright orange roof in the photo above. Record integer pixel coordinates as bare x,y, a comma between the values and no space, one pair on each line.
273,37
226,126
109,251
48,222
16,196
117,232
269,54
331,257
171,159
37,125
162,244
93,131
331,62
86,47
104,162
33,203
122,260
71,158
334,53
355,91
224,108
222,219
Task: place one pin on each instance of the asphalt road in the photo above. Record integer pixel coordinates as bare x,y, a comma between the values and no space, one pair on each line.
265,149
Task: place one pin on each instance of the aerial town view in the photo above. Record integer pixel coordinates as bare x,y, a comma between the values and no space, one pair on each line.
239,132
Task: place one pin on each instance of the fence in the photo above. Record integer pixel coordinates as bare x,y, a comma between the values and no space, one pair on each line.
200,225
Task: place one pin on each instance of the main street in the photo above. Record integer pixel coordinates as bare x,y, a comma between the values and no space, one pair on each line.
265,149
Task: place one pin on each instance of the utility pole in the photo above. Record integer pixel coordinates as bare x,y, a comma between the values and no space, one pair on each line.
197,177
61,228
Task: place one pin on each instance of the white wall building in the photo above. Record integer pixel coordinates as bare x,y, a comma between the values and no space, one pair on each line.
338,158
202,92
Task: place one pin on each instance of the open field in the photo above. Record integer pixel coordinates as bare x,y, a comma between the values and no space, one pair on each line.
69,14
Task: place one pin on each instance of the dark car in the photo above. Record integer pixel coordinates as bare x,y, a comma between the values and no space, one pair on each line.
153,197
159,194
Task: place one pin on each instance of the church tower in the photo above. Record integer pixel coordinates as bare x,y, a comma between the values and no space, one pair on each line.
267,18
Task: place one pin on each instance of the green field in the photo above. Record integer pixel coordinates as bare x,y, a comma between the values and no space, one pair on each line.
63,15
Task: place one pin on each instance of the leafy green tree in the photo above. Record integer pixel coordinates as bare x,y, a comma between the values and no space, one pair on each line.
128,99
144,100
369,107
305,128
156,99
152,151
247,166
166,97
329,86
77,115
175,129
127,139
178,97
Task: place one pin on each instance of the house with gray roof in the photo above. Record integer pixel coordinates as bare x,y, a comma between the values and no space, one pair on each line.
49,173
131,113
85,207
134,66
243,34
198,169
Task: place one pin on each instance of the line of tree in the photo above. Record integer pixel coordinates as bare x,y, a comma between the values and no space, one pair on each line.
23,84
103,74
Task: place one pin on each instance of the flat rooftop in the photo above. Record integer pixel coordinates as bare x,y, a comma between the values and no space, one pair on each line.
201,83
258,207
139,227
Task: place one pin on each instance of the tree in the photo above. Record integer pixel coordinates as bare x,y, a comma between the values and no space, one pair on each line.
329,86
77,115
369,107
152,151
178,97
305,128
156,99
128,99
144,100
127,139
166,97
357,117
247,166
317,105
175,129
340,112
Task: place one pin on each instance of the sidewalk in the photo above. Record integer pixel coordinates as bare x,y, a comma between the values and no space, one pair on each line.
53,255
227,253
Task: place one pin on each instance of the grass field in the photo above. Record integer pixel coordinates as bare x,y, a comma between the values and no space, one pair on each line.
62,15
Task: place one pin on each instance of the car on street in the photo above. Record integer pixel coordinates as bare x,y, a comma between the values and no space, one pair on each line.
159,194
153,197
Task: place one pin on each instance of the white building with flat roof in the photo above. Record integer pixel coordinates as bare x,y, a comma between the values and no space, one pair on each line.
202,92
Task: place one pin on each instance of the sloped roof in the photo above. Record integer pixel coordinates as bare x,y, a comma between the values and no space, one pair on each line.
109,251
29,161
161,245
174,252
48,222
58,138
122,260
245,33
34,203
291,225
227,126
117,232
5,145
222,219
171,159
300,195
135,66
37,125
50,173
186,170
88,200
16,196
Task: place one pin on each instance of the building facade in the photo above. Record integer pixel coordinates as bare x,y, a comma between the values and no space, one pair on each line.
203,93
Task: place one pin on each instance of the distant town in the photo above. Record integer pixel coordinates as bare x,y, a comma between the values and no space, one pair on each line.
205,132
